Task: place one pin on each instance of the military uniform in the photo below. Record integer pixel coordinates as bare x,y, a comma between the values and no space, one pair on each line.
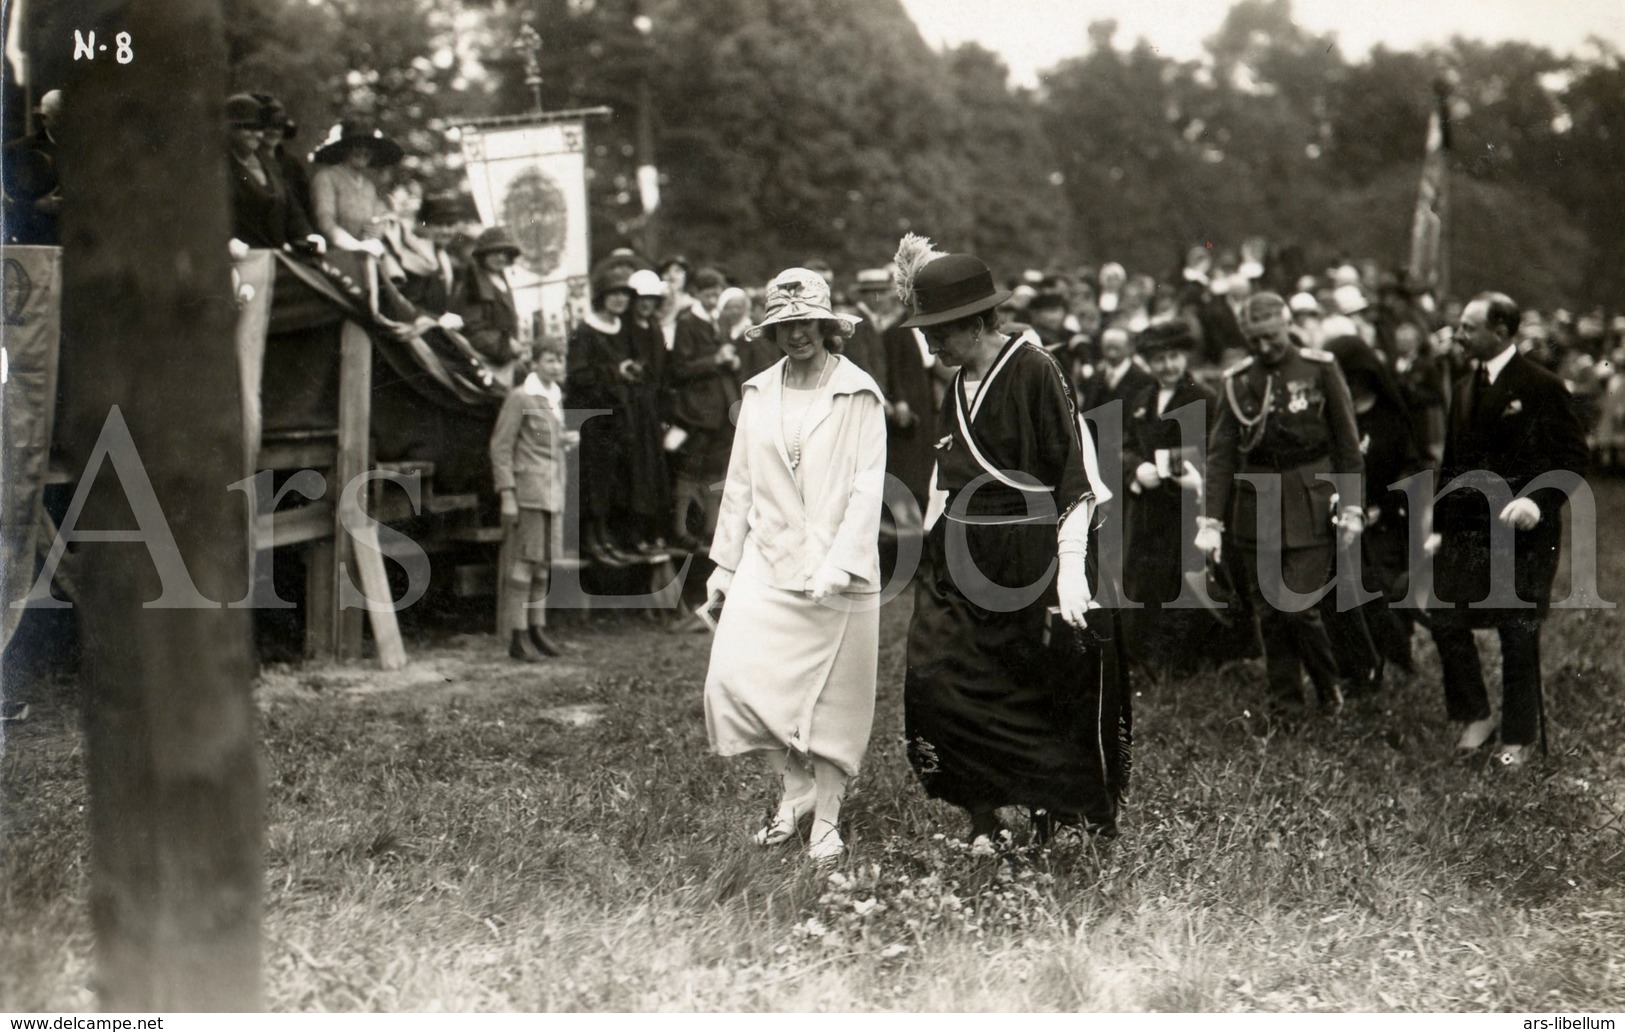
1294,419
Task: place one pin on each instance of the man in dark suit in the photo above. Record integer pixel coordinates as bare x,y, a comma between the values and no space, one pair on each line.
33,198
1119,376
1515,420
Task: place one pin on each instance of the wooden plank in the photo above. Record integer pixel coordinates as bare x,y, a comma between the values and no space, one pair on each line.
394,507
297,455
294,526
355,420
321,598
474,535
386,633
444,503
505,592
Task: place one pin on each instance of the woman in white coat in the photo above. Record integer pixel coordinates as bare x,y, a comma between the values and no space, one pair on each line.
792,673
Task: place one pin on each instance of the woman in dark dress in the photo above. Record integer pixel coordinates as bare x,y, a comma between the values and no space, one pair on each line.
483,300
601,368
1366,638
648,501
1162,465
263,214
1010,698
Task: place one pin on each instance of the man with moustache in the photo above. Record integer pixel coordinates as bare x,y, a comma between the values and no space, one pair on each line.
1515,420
1284,411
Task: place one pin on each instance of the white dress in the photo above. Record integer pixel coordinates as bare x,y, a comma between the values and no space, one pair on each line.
788,673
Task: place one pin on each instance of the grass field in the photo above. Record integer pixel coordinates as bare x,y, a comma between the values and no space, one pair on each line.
470,834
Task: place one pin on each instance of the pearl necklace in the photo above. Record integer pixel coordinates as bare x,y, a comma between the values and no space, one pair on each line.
795,444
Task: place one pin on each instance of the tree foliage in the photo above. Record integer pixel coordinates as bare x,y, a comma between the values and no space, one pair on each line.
785,129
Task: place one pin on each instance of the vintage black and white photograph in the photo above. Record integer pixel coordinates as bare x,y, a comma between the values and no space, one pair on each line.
858,506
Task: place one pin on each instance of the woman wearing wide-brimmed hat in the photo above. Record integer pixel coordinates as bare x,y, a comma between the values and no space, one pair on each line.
346,207
1011,697
792,673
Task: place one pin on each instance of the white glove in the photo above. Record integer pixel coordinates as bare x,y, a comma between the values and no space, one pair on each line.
826,582
451,321
1430,545
1350,524
1072,589
1146,475
719,583
1189,478
1209,537
317,241
1521,513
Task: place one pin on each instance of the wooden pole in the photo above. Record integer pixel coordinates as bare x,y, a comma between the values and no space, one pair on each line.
176,793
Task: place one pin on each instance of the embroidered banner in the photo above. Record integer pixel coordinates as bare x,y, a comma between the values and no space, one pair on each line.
533,180
28,372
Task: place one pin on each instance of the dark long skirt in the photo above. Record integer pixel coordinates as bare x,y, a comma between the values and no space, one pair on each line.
998,712
1176,640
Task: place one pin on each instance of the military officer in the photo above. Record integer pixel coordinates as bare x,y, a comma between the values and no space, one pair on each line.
1285,410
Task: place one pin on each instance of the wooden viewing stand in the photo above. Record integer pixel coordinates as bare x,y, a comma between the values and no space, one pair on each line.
340,532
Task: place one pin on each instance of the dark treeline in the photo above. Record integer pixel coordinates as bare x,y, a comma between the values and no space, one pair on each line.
787,128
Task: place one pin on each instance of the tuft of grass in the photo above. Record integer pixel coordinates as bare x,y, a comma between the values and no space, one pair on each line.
473,835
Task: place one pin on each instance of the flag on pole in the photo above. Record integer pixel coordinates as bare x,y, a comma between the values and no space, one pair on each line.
1430,259
649,188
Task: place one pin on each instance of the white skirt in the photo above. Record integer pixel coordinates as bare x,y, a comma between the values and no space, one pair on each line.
789,673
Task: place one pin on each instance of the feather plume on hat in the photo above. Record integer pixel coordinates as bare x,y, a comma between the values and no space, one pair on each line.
914,252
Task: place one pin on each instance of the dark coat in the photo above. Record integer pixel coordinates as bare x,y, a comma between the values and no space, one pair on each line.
490,321
1220,330
29,168
1424,387
703,393
866,349
755,356
909,452
297,177
1158,528
1098,391
1525,426
595,382
264,215
648,491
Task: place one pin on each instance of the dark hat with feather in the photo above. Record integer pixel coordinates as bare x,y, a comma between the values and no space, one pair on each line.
939,288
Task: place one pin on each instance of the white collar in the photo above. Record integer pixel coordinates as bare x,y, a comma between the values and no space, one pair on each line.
592,319
537,389
1493,367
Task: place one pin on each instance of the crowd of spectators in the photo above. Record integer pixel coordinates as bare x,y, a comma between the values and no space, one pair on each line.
663,350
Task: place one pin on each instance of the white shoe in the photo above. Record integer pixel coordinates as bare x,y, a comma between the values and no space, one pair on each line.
1475,733
1512,756
827,850
782,828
